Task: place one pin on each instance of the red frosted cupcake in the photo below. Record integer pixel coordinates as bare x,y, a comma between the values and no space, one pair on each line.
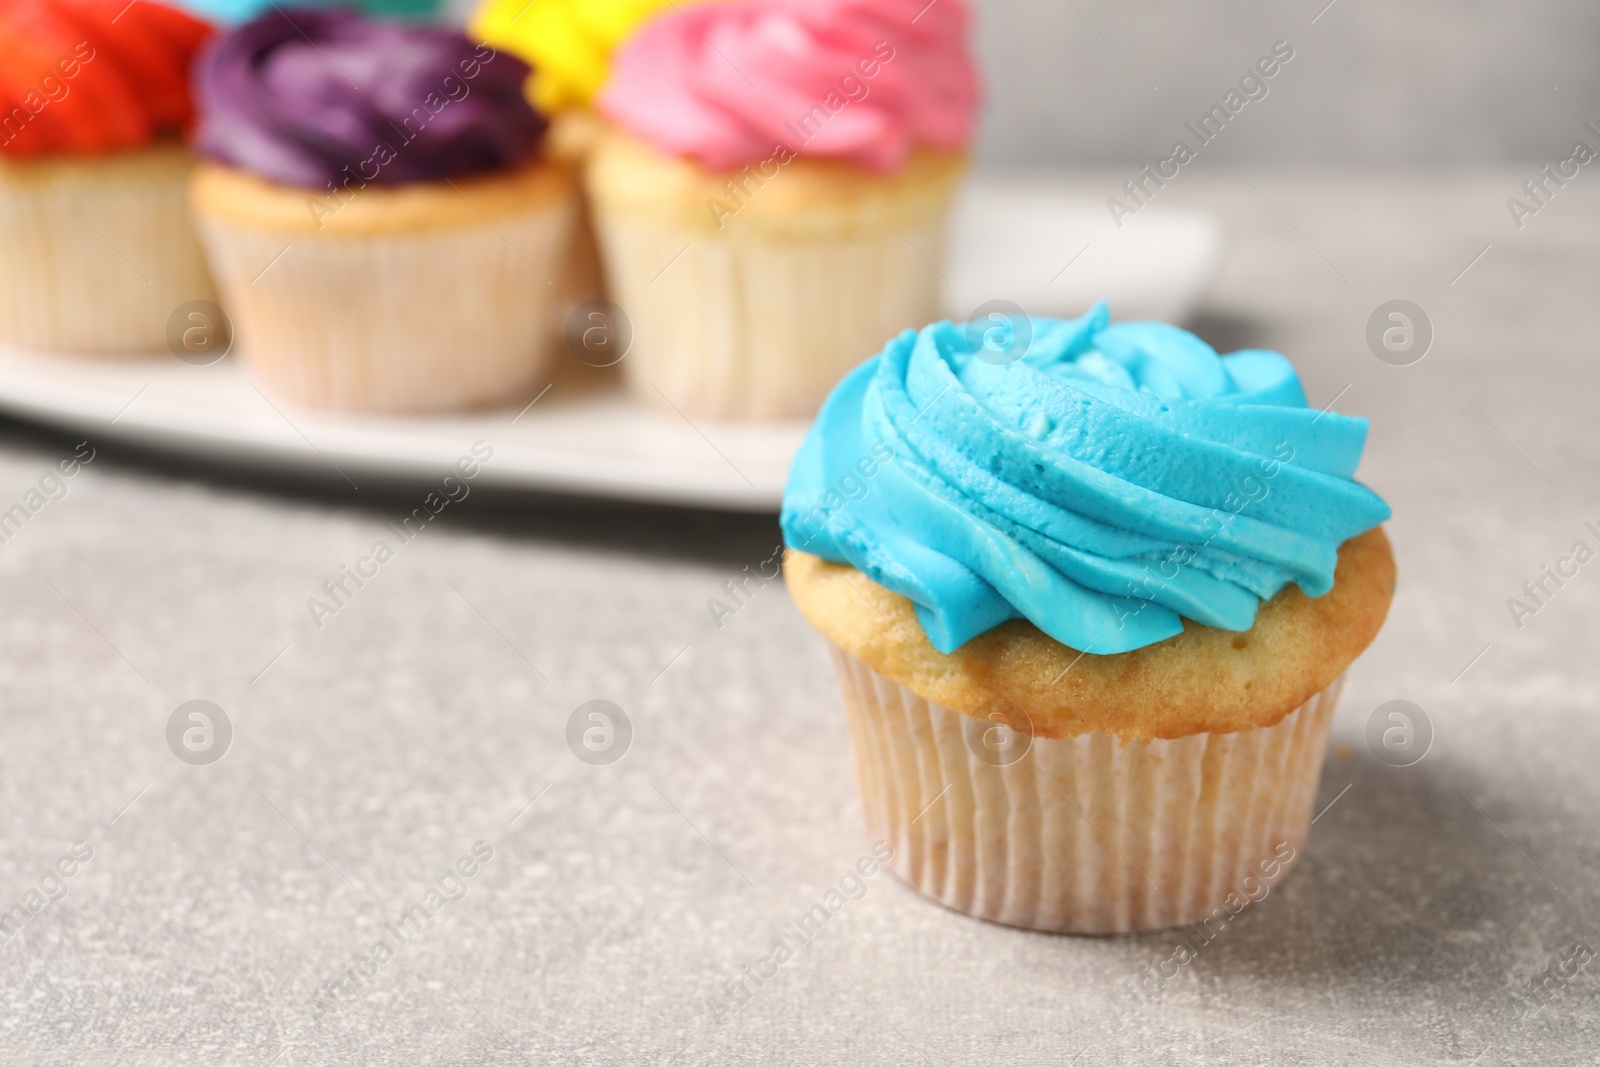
96,248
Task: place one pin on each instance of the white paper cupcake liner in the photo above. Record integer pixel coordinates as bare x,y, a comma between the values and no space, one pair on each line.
427,319
96,254
1081,834
741,325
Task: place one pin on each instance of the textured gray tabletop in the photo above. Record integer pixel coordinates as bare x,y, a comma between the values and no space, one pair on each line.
228,913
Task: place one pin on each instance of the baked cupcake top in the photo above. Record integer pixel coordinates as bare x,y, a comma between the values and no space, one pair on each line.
1203,680
862,81
325,98
1102,481
569,42
85,77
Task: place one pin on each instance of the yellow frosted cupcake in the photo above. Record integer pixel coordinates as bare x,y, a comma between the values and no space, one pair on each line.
772,202
1091,592
390,242
96,249
569,45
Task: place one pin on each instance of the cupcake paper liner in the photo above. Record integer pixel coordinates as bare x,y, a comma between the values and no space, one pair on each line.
572,137
413,320
96,254
583,274
1080,834
754,326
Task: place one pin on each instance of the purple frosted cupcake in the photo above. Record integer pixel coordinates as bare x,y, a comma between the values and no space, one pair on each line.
378,212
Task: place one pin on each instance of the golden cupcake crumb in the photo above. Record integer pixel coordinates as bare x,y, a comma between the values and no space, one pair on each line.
1202,680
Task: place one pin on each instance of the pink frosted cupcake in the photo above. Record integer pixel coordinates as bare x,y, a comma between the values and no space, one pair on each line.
772,199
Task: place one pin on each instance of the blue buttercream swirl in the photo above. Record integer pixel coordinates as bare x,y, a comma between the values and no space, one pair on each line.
1106,483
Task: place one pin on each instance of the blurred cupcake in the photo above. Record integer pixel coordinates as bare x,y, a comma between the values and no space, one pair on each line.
383,228
96,249
773,201
233,12
1091,610
569,44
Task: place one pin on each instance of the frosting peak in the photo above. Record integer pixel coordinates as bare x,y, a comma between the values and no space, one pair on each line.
306,97
864,81
1107,483
93,76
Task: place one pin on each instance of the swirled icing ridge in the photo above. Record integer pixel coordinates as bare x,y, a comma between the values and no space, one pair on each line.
1108,483
307,97
863,81
92,76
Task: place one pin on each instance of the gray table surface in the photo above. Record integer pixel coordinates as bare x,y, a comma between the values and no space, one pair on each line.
431,711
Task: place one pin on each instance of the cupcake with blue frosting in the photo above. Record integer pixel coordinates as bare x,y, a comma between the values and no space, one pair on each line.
1091,591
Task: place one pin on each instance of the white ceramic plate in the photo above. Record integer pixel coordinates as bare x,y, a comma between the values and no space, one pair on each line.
580,437
584,435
